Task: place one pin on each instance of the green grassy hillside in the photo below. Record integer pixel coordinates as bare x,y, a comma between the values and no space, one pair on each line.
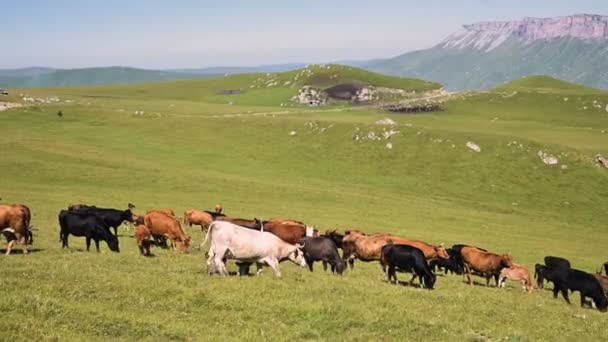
180,145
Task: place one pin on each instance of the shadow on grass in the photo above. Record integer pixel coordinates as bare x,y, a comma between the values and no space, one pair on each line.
20,251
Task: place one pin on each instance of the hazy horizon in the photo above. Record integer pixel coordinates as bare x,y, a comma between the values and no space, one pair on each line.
196,34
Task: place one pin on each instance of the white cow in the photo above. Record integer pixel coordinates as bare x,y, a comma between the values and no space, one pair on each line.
229,241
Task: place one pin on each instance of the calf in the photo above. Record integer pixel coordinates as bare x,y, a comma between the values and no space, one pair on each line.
486,263
84,224
322,249
585,283
406,258
516,273
144,239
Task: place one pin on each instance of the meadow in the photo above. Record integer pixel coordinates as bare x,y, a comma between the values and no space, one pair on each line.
182,145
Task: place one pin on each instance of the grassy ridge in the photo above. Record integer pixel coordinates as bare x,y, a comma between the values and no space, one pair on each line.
196,154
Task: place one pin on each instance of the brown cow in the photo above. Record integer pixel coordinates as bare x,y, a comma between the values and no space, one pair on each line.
431,252
251,224
166,211
603,282
486,263
289,231
517,273
14,224
193,216
143,238
356,244
162,225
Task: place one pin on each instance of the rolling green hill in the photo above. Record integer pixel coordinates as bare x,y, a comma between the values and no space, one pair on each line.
180,145
90,76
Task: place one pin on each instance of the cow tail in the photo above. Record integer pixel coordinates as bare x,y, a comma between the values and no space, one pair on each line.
207,235
186,221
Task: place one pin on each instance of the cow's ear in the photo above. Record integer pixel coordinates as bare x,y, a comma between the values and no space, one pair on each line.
131,205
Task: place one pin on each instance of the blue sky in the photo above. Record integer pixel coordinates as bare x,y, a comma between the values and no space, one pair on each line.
181,34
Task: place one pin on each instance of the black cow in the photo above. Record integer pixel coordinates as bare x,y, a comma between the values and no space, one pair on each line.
406,258
322,249
112,217
214,214
452,264
557,262
585,283
335,237
90,226
606,267
550,274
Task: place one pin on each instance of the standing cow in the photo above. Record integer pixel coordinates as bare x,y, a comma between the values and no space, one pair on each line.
143,237
486,263
322,249
516,273
14,224
410,259
112,217
229,241
85,224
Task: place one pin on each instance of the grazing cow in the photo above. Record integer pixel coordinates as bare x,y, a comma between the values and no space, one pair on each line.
577,280
335,237
167,227
144,239
112,217
229,241
357,245
14,224
516,273
486,263
322,249
288,230
452,264
603,282
92,227
557,262
201,218
406,258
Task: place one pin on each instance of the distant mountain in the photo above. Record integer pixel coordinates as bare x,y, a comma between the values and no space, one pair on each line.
486,54
231,70
45,77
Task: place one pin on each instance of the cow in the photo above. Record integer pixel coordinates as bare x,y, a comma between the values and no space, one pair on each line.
112,217
27,218
289,231
457,255
251,224
218,209
91,226
14,224
335,237
517,273
486,263
357,245
557,262
431,252
583,282
164,226
452,264
406,258
166,211
143,237
229,241
198,217
542,273
322,249
603,282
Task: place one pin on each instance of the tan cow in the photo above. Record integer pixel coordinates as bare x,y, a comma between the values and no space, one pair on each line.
516,273
199,217
165,226
357,245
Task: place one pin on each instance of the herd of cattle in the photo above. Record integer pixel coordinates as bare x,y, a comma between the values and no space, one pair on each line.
269,242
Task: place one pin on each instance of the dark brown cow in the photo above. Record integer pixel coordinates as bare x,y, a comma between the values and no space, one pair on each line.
14,224
144,239
163,225
289,231
603,282
251,224
486,263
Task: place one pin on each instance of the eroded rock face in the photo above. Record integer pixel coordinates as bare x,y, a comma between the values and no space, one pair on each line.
310,96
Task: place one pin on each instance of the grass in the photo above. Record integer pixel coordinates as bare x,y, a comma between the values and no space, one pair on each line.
187,152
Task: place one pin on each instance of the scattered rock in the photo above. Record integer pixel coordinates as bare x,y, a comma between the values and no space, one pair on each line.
386,122
473,147
388,134
547,158
389,146
292,133
601,160
564,167
580,316
9,105
310,96
565,99
607,107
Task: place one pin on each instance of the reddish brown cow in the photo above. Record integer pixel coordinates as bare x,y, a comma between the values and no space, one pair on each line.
486,263
168,227
143,238
14,224
431,252
289,231
193,216
166,211
356,245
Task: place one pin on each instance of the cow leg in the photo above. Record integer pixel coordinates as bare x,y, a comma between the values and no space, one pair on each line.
555,291
258,267
565,294
309,262
9,247
488,277
414,275
24,244
391,273
88,239
583,301
274,265
324,266
97,245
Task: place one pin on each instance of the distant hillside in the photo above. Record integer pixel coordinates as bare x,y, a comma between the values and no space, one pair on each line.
546,84
484,55
29,78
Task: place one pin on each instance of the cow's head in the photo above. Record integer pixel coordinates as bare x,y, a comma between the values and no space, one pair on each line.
297,256
429,281
113,243
441,252
340,266
218,208
185,245
506,260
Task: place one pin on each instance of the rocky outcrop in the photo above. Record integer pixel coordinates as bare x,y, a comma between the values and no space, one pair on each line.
310,96
491,34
